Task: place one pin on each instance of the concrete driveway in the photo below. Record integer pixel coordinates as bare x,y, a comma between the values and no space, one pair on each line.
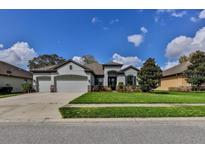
34,106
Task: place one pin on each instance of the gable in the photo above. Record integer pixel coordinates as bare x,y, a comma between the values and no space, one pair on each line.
71,68
130,71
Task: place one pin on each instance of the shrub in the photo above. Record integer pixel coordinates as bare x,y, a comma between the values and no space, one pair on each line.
107,89
121,87
6,90
27,87
97,88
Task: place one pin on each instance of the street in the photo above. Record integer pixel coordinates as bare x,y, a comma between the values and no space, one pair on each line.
125,132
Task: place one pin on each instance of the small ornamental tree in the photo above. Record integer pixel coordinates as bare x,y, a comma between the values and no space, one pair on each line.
195,73
149,75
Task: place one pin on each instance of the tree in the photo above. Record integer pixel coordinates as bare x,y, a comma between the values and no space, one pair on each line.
183,59
89,59
195,73
149,75
45,60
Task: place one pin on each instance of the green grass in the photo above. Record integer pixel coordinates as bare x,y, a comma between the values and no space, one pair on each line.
139,97
8,95
117,112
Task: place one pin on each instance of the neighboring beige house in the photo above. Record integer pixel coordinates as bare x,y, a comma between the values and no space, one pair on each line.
173,77
13,76
72,76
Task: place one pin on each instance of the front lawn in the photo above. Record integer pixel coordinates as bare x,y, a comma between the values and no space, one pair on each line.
138,97
8,95
117,112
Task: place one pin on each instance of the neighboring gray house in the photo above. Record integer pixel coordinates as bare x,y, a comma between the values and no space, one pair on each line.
12,76
75,77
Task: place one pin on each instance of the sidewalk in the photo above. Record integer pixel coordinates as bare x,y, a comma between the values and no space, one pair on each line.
132,105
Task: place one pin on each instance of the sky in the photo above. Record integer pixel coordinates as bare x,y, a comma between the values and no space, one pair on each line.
126,36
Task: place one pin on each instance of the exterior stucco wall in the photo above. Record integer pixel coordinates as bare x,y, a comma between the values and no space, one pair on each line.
13,82
120,78
172,81
106,70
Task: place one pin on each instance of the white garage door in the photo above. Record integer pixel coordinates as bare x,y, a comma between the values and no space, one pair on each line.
44,84
72,84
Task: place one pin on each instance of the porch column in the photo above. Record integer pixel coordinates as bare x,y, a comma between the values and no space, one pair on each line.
105,82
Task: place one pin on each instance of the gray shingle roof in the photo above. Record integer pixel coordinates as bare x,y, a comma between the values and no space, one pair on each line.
178,69
112,63
96,67
54,68
7,69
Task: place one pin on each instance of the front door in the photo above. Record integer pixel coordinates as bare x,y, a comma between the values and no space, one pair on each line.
112,81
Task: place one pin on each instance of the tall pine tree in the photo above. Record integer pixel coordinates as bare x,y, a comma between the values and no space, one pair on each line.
195,73
149,75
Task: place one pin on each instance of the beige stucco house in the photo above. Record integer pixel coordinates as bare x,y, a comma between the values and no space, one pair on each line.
174,78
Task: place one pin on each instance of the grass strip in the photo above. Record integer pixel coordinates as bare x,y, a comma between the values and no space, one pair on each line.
144,112
139,97
8,95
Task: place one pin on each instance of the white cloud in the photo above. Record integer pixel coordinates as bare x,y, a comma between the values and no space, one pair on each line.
170,64
172,12
143,29
106,28
1,45
126,61
178,14
136,39
202,14
183,45
78,59
95,20
194,19
19,54
114,21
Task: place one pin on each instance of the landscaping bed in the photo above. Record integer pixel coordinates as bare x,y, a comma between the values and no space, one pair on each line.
139,97
144,112
8,95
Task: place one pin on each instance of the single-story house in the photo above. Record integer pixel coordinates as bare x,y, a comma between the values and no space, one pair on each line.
174,78
12,76
72,76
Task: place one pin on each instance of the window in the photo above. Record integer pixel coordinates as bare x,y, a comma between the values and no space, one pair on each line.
71,67
131,80
99,81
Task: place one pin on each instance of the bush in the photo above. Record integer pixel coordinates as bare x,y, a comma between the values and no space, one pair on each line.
6,90
97,88
121,87
27,87
107,89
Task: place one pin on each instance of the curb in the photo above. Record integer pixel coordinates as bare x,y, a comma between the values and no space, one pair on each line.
82,120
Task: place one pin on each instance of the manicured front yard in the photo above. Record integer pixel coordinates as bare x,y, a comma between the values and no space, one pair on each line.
117,112
8,95
138,97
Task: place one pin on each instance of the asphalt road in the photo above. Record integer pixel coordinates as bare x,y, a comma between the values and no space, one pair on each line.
174,131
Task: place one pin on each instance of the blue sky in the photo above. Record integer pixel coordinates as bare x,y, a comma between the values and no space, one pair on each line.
128,36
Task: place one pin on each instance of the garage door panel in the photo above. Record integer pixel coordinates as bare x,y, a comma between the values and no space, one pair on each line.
44,84
72,84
